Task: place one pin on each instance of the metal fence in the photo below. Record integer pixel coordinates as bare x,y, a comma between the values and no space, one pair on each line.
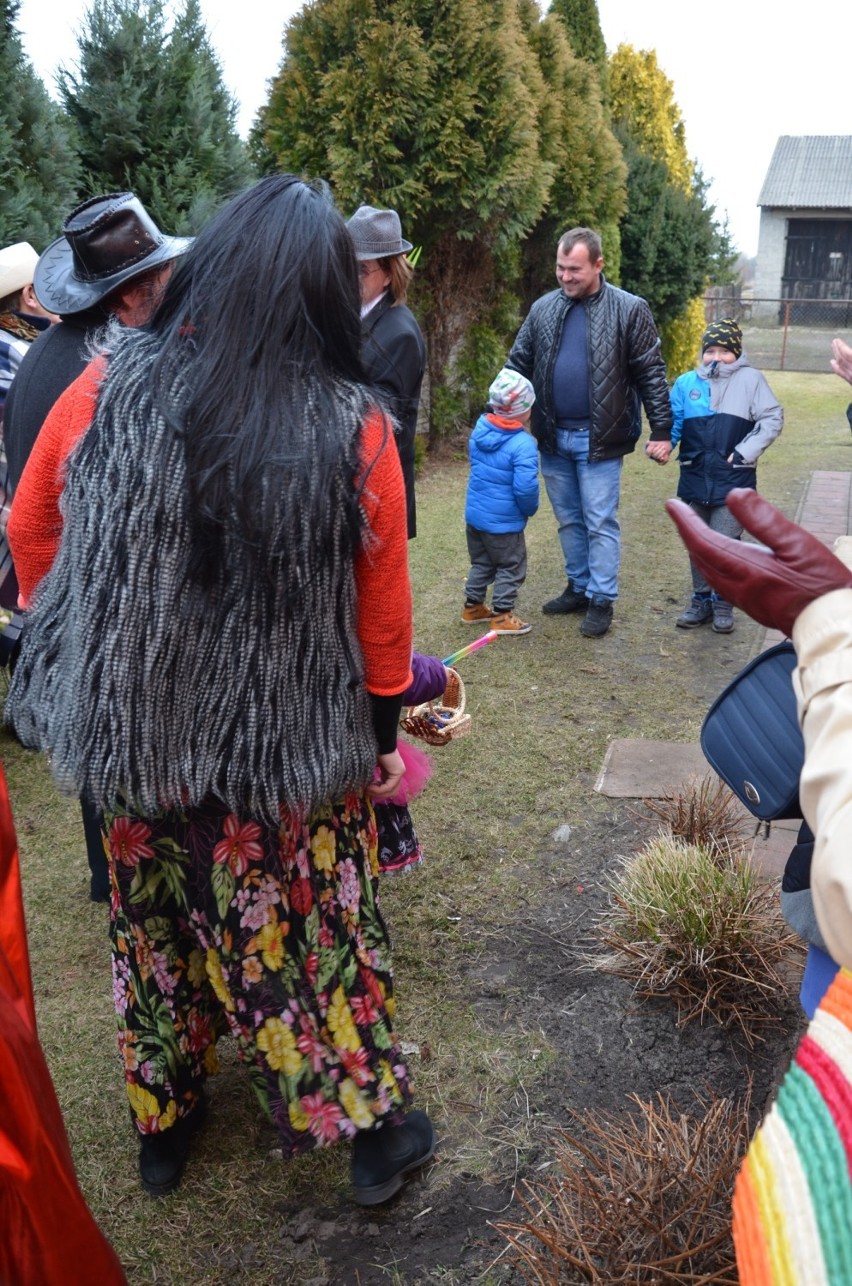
785,334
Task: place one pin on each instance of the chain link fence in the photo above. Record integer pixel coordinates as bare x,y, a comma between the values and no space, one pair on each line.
785,334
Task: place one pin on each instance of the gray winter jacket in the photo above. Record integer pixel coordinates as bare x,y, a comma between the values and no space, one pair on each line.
722,410
625,367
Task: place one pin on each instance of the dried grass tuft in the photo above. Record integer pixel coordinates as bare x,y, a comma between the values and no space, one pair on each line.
703,811
699,925
638,1198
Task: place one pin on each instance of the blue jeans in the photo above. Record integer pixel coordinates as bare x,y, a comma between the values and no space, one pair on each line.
585,499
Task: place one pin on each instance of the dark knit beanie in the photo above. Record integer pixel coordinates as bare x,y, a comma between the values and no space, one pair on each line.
723,334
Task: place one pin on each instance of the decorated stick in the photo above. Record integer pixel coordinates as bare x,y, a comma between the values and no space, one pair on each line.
471,647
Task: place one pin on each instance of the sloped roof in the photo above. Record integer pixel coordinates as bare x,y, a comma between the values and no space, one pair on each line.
811,170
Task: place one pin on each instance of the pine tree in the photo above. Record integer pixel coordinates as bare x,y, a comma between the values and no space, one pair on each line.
152,113
38,167
429,109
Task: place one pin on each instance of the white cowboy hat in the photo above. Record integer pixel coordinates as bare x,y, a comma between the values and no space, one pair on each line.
17,267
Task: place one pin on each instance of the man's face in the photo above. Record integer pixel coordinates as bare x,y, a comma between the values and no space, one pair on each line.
374,280
577,273
135,302
31,306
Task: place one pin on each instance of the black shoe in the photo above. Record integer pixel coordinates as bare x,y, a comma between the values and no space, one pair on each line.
382,1158
570,600
162,1157
597,619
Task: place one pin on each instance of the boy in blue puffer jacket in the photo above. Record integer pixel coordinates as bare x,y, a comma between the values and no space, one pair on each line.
725,416
502,493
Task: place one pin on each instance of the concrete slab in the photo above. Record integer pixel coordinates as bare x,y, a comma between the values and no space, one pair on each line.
639,769
770,852
636,769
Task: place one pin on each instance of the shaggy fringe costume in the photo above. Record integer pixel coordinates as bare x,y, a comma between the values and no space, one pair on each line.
148,688
221,719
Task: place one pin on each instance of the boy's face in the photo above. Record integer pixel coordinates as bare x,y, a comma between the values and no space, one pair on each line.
716,354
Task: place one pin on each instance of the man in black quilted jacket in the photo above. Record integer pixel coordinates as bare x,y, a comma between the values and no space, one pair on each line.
593,355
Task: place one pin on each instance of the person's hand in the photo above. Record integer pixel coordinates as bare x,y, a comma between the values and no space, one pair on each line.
391,769
841,362
773,585
658,450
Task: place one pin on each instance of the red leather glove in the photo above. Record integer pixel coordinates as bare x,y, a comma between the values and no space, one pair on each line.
773,585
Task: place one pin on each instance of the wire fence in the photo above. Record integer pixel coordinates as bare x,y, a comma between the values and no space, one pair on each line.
785,334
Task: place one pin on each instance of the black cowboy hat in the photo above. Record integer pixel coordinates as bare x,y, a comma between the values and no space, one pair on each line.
105,242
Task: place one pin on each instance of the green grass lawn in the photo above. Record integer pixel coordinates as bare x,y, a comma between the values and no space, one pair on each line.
544,708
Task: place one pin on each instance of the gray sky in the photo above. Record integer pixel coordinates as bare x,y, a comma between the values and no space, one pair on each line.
743,74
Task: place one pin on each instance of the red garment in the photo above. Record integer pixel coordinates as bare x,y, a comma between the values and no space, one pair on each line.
381,574
35,524
47,1234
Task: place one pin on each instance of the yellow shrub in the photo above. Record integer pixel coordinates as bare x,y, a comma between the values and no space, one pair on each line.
681,339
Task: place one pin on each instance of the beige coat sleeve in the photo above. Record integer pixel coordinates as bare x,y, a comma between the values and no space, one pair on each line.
822,636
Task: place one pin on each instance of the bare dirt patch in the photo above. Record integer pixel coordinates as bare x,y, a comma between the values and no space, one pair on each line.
597,1045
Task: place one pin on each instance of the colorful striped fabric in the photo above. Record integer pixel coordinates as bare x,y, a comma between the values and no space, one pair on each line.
792,1208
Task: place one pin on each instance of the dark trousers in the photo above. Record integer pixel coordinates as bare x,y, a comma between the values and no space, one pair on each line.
92,828
497,558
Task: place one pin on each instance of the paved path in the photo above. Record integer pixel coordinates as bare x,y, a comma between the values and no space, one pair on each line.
633,769
825,510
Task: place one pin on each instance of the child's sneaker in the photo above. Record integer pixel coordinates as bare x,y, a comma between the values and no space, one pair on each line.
699,612
723,616
476,614
509,623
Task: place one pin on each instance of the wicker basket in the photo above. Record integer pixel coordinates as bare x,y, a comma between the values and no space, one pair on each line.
438,722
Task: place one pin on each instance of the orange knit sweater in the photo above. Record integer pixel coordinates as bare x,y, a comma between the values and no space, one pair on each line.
381,573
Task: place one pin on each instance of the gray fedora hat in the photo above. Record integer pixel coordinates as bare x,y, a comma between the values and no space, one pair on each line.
106,241
376,234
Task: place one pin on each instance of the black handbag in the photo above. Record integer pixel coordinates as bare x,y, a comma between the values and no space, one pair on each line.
751,736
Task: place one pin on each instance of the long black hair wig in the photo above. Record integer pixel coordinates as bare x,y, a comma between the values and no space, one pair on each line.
259,370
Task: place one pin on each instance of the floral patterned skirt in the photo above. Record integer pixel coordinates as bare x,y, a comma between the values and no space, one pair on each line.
273,932
399,847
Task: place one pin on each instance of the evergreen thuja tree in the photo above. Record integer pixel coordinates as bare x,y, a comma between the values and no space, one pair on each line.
38,166
589,185
671,242
667,235
582,24
152,113
432,110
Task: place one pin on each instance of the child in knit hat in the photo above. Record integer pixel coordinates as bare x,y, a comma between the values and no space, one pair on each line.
502,493
725,416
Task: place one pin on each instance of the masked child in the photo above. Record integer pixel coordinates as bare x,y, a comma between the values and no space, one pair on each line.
725,416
